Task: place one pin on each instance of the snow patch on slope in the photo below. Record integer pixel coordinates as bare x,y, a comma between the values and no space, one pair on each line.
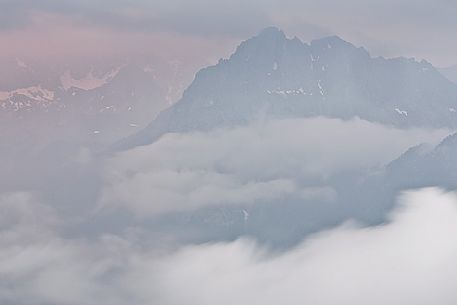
37,93
88,82
401,112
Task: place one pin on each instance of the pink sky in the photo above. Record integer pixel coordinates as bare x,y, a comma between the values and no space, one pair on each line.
201,33
54,38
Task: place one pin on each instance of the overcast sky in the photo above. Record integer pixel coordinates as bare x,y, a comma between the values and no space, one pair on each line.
204,30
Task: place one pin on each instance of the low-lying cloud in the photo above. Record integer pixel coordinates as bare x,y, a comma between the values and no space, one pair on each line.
409,260
262,161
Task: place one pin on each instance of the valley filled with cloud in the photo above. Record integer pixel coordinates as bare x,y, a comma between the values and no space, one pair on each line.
219,153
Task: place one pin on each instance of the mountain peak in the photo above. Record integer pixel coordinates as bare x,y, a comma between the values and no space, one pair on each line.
270,40
283,77
332,41
272,32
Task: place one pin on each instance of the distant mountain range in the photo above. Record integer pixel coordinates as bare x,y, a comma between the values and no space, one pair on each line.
270,75
93,104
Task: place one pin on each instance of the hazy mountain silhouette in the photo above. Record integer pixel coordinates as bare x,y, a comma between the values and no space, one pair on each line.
273,76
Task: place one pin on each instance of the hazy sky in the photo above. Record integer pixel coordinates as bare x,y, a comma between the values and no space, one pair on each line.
201,31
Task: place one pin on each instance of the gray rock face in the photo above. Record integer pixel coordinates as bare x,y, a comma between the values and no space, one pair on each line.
271,75
423,166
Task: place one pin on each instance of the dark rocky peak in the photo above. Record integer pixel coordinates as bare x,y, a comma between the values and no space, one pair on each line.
268,42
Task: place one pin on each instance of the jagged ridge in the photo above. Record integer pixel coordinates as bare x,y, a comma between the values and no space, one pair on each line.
271,75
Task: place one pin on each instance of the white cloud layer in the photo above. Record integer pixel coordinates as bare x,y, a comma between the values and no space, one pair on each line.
409,260
262,161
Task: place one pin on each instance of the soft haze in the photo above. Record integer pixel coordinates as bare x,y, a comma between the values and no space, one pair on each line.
209,29
217,152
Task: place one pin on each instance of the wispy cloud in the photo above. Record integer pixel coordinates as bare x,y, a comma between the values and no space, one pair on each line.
409,260
264,160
